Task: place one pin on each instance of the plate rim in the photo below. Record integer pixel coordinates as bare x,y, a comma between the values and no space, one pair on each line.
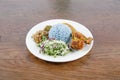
58,60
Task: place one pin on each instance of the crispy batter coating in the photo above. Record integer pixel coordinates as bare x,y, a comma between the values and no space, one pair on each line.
77,44
78,39
79,35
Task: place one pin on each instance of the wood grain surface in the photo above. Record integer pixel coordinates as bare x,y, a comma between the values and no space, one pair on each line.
102,17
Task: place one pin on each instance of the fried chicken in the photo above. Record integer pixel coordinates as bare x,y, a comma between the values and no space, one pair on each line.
78,39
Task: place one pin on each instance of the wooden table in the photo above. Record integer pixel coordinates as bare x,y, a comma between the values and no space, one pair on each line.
102,17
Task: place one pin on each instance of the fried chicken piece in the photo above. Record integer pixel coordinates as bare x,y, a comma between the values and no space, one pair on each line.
88,40
78,39
77,44
79,35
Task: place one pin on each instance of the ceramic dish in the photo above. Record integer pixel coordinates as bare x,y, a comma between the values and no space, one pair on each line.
31,45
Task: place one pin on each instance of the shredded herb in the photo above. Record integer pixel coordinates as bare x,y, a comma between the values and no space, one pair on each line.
55,48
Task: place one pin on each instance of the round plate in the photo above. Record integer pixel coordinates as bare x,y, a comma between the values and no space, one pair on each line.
31,45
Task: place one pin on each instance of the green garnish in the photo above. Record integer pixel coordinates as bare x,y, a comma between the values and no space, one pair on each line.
44,38
55,48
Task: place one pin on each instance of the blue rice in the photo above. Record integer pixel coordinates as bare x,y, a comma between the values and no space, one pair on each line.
60,32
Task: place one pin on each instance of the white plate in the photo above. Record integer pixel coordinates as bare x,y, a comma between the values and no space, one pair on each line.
31,45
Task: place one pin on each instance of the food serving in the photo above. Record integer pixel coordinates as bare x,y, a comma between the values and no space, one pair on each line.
60,39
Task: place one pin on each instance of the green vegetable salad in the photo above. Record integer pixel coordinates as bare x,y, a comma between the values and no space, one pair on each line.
54,48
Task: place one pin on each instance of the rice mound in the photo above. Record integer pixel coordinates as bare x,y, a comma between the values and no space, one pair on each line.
60,32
